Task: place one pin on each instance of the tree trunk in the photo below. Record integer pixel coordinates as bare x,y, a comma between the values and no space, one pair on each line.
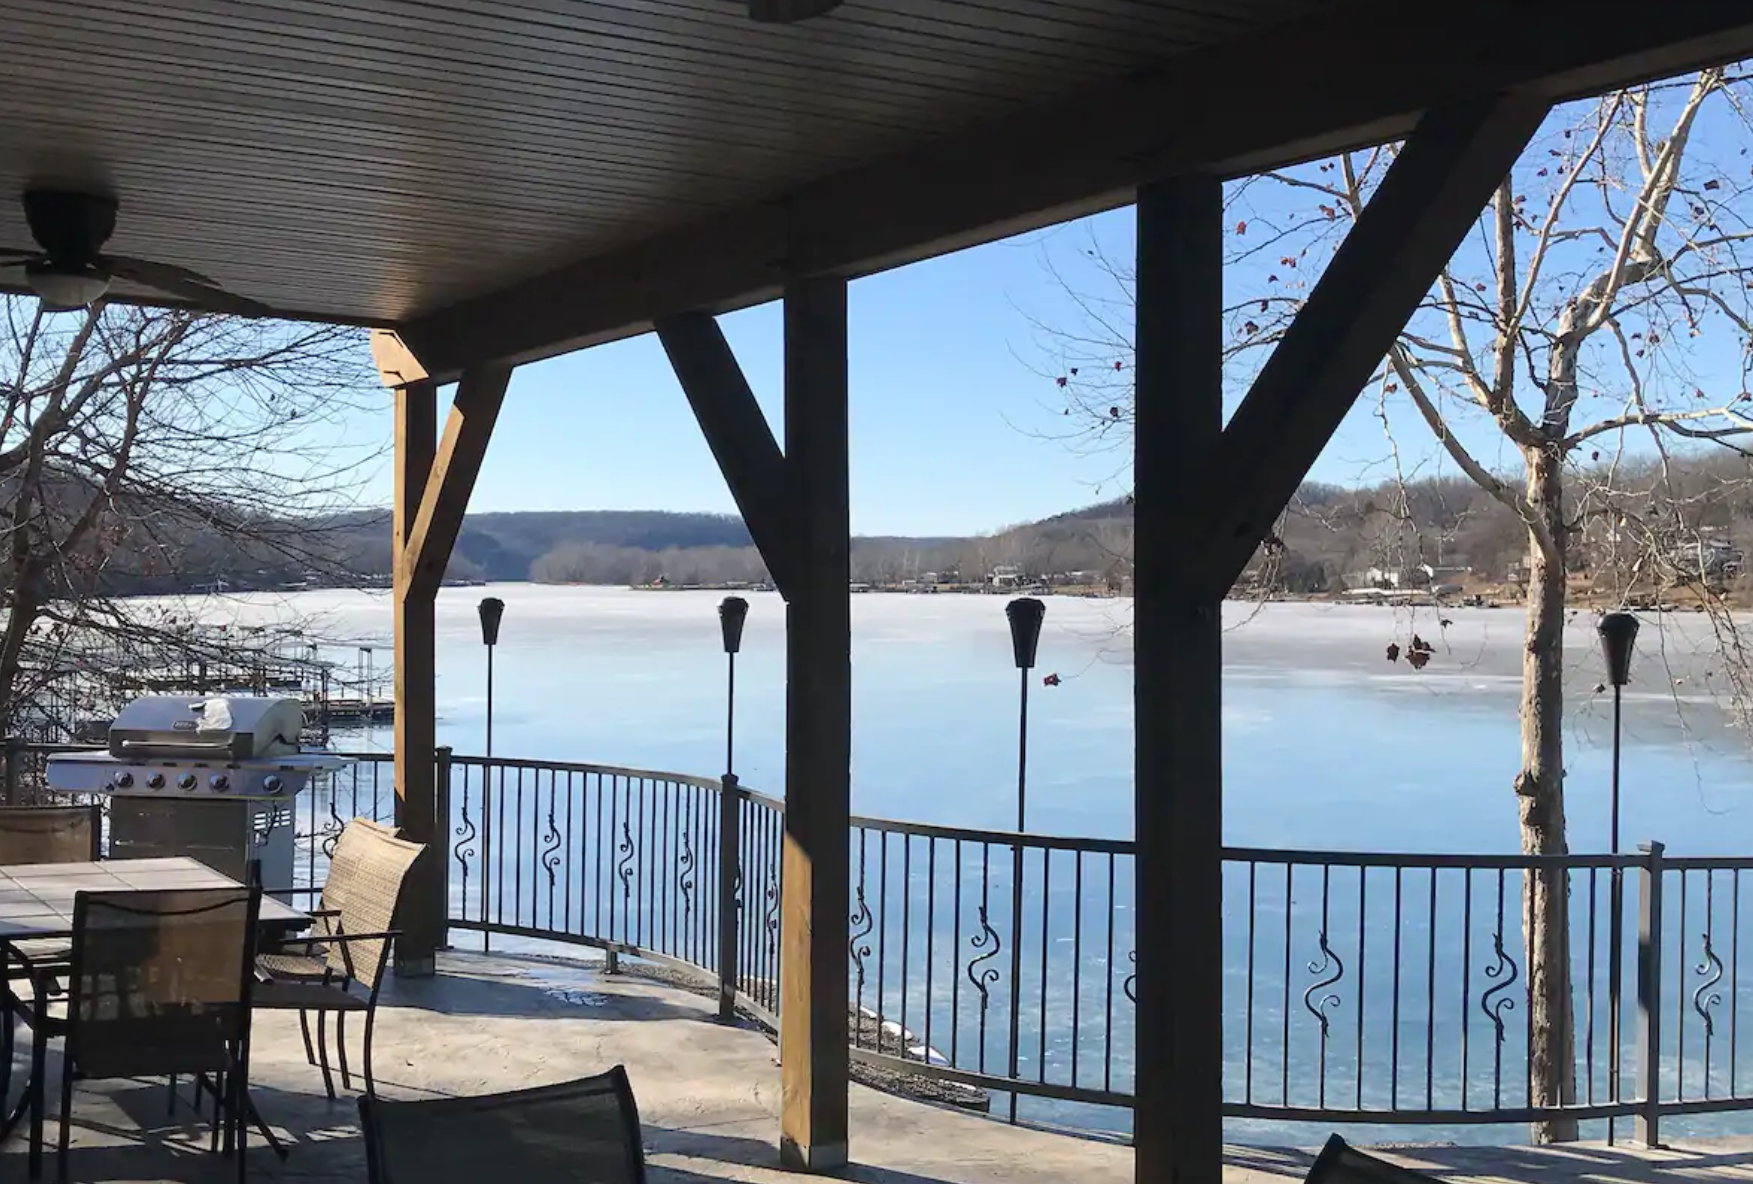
1540,795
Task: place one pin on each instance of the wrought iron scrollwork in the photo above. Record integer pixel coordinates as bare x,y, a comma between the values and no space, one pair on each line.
685,875
1130,986
980,974
466,836
1704,998
1329,969
552,843
859,925
331,831
624,866
770,914
1503,973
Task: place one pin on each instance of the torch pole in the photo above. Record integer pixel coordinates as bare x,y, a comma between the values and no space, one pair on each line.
1024,615
1615,923
730,715
490,704
1016,886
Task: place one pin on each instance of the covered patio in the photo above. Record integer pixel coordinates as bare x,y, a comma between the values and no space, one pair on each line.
487,186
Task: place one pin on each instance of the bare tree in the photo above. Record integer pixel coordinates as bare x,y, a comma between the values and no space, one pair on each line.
157,450
1595,330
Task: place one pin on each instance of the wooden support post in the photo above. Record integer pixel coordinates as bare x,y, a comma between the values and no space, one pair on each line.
433,483
416,703
1177,687
813,1027
795,505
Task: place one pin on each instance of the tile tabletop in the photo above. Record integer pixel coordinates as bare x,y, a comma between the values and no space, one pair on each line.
36,900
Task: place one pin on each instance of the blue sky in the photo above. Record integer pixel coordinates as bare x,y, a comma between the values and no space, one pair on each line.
957,424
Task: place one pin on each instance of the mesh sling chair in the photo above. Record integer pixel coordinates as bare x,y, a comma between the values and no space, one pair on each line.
583,1131
36,835
1341,1163
160,984
339,967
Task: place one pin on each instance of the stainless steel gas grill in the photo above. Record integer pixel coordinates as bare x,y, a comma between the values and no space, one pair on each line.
211,778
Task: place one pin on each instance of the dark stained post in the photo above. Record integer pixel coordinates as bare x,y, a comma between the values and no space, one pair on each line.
1177,677
813,1027
416,728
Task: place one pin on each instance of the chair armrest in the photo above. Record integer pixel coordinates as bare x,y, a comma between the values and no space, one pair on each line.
343,938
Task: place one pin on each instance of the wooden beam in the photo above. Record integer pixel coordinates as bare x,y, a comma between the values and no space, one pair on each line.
1177,689
416,727
1359,75
396,364
473,411
813,1029
1426,204
738,434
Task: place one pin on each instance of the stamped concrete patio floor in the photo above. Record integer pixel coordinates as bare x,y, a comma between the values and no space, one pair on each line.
708,1099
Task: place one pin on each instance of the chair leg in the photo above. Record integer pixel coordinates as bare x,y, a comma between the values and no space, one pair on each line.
370,1024
323,1052
341,1048
218,1112
66,1141
39,1059
8,1046
240,1120
310,1052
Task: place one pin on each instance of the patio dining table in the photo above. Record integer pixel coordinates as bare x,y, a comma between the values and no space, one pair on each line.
36,903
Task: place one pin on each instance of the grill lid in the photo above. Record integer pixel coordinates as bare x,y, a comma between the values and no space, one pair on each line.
176,727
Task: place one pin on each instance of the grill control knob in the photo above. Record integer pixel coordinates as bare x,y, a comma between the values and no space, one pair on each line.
155,781
272,784
124,780
220,782
186,781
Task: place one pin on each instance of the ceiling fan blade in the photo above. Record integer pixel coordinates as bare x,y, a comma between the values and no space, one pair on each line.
14,262
145,271
180,281
18,253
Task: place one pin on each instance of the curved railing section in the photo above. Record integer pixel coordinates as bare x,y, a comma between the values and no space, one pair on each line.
1359,987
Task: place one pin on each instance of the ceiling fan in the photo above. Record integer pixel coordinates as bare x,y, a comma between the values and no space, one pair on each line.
69,270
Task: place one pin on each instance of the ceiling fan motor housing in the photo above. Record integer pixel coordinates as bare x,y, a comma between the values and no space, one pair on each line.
71,227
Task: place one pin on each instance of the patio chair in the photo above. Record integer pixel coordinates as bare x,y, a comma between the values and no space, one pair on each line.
338,968
50,834
160,984
585,1131
41,834
1341,1163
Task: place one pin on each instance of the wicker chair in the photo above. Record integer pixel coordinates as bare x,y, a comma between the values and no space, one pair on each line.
580,1131
1341,1163
160,984
339,967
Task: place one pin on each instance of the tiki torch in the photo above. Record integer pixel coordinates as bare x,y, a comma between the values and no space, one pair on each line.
492,609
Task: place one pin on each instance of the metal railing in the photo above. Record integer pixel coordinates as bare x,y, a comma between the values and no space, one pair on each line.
1359,987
